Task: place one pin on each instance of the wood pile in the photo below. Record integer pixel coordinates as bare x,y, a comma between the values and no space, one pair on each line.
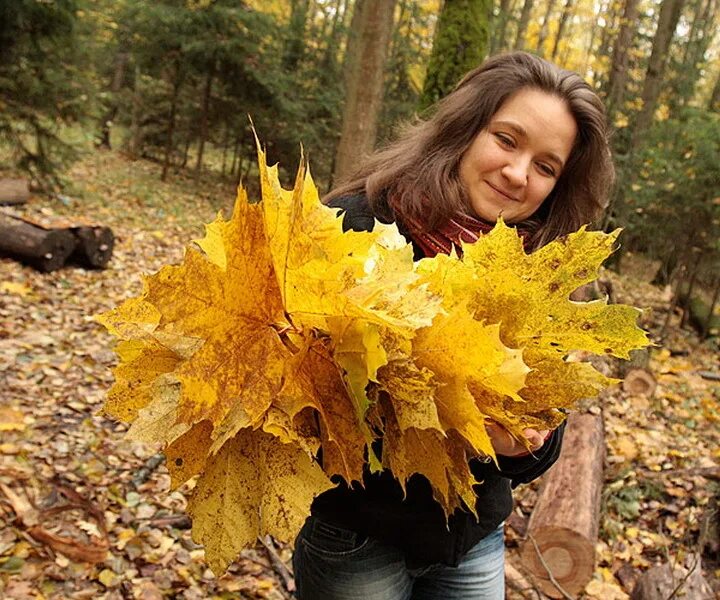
47,243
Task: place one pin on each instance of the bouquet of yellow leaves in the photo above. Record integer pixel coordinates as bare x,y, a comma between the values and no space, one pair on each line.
280,335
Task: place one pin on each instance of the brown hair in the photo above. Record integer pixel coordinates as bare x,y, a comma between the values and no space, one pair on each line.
420,170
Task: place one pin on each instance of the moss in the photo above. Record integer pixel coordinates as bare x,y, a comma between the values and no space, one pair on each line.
460,44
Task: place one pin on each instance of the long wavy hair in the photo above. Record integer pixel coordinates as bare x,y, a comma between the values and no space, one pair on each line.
420,170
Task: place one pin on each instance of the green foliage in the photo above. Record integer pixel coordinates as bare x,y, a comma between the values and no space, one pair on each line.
460,44
36,93
674,201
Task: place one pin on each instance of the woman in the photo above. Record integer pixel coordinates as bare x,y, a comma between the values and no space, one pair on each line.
518,138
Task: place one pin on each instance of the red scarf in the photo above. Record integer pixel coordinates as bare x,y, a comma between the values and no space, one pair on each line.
451,234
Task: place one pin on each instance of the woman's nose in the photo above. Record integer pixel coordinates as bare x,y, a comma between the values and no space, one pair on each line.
516,171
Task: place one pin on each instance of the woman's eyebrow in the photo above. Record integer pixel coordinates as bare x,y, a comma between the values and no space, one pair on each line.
520,130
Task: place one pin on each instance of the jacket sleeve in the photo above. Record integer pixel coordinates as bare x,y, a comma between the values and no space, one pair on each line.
524,469
356,213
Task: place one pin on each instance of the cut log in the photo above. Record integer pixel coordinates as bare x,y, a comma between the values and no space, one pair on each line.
94,246
14,191
93,243
639,382
46,250
663,582
563,528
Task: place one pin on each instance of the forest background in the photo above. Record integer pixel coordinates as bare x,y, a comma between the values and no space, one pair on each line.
174,81
135,114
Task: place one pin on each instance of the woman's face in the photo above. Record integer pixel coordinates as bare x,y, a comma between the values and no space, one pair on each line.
513,164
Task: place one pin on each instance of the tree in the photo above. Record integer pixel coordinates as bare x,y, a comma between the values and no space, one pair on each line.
41,85
522,24
667,22
567,11
545,26
620,56
500,26
364,65
460,44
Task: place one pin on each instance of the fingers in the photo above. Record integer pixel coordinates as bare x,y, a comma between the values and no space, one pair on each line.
506,445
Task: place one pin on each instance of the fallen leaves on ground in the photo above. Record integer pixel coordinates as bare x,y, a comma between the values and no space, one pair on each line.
54,372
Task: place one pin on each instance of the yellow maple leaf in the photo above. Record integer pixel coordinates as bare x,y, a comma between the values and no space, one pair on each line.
255,485
280,336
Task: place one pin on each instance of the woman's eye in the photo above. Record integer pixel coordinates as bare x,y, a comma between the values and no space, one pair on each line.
546,169
505,140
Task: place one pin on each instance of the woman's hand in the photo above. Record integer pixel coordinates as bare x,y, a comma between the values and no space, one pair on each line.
506,445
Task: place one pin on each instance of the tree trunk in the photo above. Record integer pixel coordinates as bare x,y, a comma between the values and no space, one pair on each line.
667,22
698,40
204,110
371,29
460,44
177,82
121,60
499,27
544,28
707,322
226,136
564,524
595,26
714,102
522,24
295,46
135,143
610,18
567,10
620,56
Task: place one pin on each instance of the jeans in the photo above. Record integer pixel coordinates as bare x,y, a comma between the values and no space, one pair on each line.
332,563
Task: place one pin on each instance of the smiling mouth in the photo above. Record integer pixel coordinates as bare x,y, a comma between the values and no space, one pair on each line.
502,193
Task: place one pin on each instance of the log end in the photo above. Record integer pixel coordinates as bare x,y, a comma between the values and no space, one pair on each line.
569,556
639,381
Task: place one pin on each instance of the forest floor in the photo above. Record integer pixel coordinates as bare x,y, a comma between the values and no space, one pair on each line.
56,449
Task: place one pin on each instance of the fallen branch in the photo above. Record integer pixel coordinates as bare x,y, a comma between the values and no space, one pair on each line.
151,464
278,563
519,583
30,518
548,570
707,472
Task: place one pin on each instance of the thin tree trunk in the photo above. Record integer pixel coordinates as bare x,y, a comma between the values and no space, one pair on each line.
522,24
714,102
499,25
711,311
204,110
295,45
236,150
567,10
372,26
177,82
667,22
691,288
620,56
593,34
226,135
544,28
135,144
699,37
612,14
121,61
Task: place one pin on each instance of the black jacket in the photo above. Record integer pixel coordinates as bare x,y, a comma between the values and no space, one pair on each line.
416,523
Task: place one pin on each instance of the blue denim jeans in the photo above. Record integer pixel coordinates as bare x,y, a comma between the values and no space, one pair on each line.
332,563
